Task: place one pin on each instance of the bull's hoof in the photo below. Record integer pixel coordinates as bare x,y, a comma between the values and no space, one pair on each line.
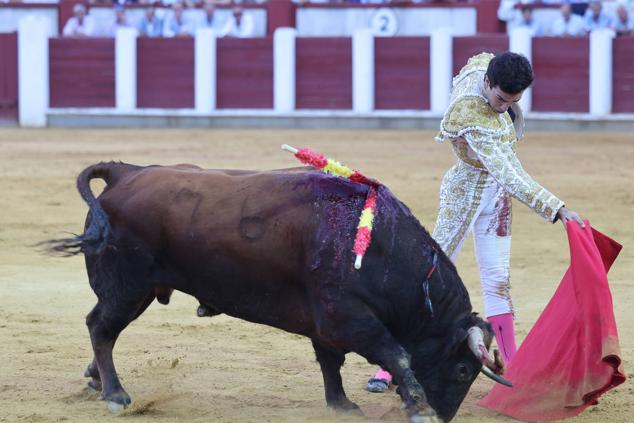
117,401
345,406
425,416
425,419
115,407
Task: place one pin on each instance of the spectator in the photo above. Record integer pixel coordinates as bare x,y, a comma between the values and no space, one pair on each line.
209,19
595,18
239,24
506,10
120,21
176,25
150,25
623,24
80,25
525,19
568,23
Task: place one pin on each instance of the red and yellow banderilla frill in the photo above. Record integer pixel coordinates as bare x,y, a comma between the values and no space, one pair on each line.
364,228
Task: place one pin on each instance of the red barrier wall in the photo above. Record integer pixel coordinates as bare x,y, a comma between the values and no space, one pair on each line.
9,76
401,73
623,75
244,73
465,47
324,73
487,19
81,72
165,72
561,68
280,14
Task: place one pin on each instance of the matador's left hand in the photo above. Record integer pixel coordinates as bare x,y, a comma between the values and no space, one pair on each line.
565,215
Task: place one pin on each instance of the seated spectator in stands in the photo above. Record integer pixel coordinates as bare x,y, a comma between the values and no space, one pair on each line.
209,18
595,17
527,20
623,24
568,23
509,12
120,21
175,24
150,25
239,24
80,25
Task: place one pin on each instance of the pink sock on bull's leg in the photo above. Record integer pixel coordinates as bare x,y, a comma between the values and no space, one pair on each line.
504,334
382,374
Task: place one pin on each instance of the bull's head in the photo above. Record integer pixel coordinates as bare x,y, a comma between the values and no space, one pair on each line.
448,369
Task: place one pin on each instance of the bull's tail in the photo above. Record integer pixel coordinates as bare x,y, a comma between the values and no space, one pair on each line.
96,233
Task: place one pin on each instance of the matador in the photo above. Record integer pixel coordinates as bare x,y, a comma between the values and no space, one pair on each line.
483,124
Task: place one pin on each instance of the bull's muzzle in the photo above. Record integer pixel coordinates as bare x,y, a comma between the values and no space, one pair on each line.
491,367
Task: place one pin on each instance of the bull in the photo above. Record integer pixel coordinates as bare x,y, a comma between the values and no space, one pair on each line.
275,247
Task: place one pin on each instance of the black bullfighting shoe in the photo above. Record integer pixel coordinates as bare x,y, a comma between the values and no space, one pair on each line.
378,385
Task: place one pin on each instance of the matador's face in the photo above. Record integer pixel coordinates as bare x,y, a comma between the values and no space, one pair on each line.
499,100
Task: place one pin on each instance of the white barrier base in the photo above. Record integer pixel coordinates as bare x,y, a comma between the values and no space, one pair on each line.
316,119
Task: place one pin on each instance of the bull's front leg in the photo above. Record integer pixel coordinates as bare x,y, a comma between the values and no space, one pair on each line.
387,353
93,372
369,338
331,362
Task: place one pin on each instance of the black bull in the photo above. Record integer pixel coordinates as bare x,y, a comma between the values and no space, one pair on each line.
275,248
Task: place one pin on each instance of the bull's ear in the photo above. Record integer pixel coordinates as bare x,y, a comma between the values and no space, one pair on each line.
486,327
487,330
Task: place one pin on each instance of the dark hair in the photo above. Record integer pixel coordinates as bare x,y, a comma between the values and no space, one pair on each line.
511,72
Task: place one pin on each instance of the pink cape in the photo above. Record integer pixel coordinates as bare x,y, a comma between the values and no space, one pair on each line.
571,356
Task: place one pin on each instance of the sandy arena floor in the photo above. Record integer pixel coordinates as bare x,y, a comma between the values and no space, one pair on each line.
180,368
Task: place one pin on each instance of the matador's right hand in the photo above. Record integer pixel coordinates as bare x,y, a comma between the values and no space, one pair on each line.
565,215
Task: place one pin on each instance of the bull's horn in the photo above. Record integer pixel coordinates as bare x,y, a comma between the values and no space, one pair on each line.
499,379
476,345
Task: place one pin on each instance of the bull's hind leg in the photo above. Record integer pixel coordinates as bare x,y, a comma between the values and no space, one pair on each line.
105,322
92,371
331,363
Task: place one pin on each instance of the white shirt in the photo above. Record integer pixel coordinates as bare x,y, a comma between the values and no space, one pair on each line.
87,27
574,26
506,10
111,31
533,25
619,25
202,22
603,21
172,28
245,30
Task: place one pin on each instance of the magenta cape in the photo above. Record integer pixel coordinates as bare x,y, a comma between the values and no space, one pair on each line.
571,356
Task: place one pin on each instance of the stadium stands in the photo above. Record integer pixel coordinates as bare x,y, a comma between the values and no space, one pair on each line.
335,57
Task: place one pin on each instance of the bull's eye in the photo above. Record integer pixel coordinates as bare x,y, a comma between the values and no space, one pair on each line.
463,373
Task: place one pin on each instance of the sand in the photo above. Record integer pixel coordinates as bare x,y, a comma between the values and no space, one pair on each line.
181,368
